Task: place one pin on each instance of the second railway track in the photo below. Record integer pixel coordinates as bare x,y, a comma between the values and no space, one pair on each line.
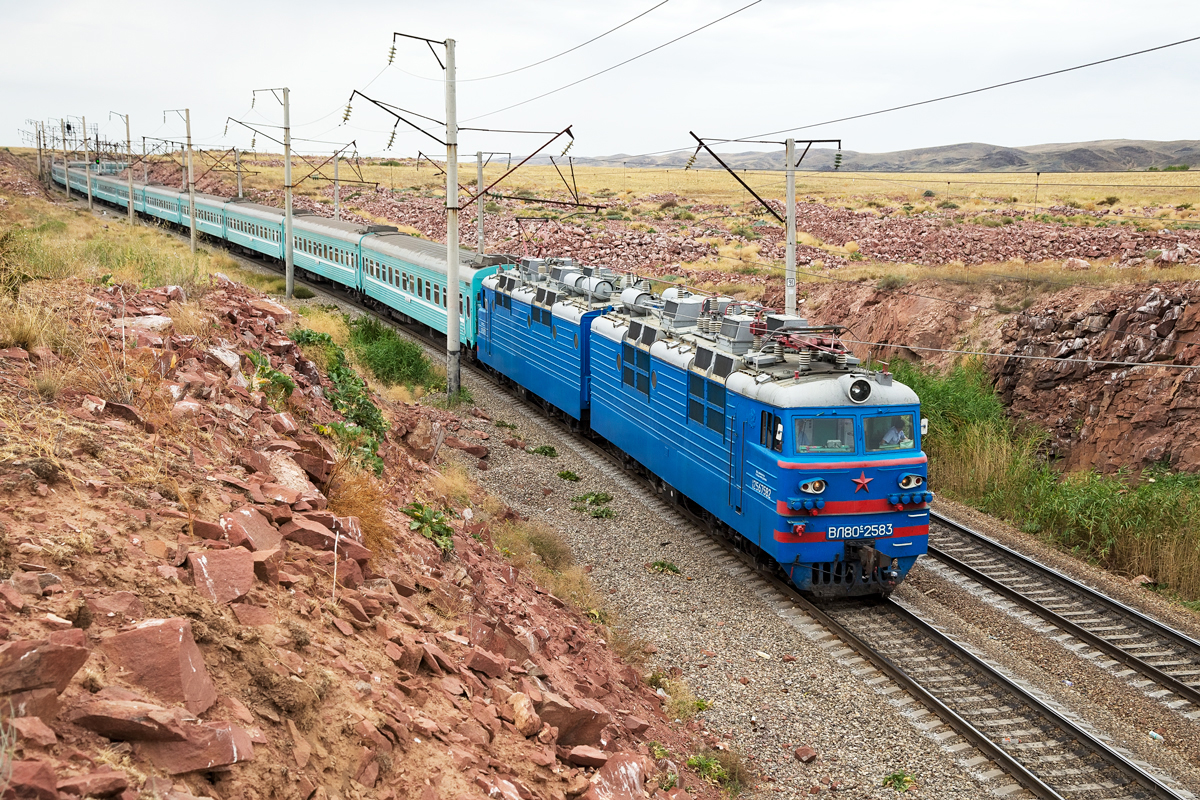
1161,661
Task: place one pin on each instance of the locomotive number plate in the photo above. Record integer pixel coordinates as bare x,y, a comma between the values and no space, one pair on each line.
859,531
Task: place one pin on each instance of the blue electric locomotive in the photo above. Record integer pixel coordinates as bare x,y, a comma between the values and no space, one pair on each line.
763,425
766,427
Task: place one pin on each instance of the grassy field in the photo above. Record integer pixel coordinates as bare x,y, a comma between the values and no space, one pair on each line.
1090,191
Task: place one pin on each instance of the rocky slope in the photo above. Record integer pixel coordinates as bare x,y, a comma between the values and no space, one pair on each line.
188,610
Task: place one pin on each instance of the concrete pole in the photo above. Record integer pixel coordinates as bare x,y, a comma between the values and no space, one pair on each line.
87,164
453,378
145,165
129,165
191,177
479,200
37,133
337,192
237,159
289,265
66,160
789,289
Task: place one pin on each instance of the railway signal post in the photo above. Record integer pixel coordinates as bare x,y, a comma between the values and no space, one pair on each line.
453,379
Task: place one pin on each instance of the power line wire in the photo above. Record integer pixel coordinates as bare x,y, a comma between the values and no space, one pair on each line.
565,52
969,92
615,66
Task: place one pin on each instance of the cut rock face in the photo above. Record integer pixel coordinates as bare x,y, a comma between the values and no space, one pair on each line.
161,656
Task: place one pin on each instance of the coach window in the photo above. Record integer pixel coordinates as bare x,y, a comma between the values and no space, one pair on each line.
823,435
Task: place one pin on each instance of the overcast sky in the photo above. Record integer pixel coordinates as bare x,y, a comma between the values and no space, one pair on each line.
777,64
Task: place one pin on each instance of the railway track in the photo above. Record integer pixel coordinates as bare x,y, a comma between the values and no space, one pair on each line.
1022,746
1159,660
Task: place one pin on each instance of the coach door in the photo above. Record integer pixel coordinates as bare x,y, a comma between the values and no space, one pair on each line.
737,438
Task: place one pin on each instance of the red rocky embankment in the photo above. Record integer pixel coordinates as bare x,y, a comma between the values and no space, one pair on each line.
183,614
1105,416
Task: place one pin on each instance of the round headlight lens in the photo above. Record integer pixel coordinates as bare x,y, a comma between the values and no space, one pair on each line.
859,391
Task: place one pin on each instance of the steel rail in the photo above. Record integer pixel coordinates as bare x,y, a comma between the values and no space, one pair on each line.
977,738
1165,679
1130,769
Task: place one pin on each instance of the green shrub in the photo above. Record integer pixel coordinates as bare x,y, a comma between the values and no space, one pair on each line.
303,293
431,523
889,283
947,204
546,450
1111,200
568,475
391,359
928,193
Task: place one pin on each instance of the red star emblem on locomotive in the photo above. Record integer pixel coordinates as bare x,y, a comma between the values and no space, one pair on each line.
862,481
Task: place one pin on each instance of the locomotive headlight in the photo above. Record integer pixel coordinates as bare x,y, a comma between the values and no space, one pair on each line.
813,487
911,481
859,391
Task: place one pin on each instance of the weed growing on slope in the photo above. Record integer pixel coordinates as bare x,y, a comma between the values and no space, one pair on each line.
391,359
432,523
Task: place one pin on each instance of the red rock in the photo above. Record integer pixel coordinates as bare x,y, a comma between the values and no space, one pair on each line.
316,467
38,664
476,450
636,724
788,658
805,754
12,598
267,564
222,575
131,414
580,722
246,527
354,607
623,777
161,656
27,583
488,663
308,533
253,461
98,784
119,605
33,703
213,744
585,756
32,729
253,616
207,530
283,423
131,720
31,780
349,574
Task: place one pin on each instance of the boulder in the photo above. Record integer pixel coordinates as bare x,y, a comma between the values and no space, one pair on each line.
32,664
246,527
222,575
489,664
32,729
311,534
161,656
525,718
31,780
132,721
623,777
213,744
98,784
578,722
267,564
584,756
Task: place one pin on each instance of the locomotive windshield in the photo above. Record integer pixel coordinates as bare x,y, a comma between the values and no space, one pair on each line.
824,435
893,432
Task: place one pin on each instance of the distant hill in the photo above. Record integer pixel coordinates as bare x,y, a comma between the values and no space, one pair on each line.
1107,155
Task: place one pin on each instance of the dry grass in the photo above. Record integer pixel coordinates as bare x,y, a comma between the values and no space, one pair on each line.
355,492
190,319
454,487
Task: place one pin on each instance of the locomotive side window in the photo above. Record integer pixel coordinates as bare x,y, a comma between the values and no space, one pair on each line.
892,432
824,435
776,434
